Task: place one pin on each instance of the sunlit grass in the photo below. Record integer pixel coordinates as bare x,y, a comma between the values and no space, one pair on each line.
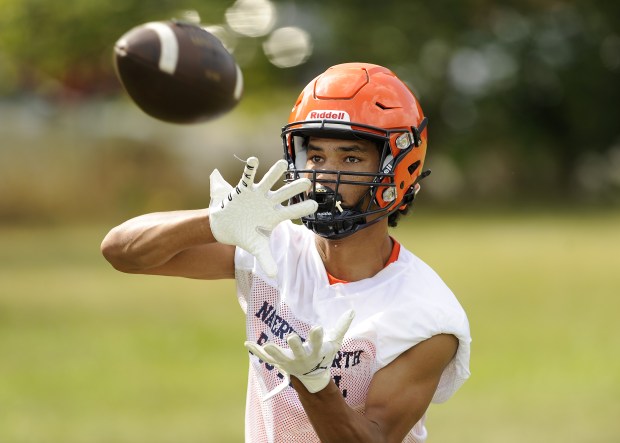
91,355
542,294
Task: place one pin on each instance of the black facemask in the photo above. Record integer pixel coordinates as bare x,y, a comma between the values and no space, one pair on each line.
331,219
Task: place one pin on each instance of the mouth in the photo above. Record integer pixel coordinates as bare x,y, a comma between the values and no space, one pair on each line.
327,199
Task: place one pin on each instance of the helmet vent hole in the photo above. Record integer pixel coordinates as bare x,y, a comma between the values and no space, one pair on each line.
382,106
413,167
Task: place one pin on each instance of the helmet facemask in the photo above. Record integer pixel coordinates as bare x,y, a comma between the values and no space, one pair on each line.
334,220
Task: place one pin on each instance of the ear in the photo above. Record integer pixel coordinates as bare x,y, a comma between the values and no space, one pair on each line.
410,196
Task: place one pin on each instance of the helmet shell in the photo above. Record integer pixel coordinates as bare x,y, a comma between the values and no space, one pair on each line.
369,101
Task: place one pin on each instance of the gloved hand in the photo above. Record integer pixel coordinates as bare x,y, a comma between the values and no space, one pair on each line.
310,361
244,216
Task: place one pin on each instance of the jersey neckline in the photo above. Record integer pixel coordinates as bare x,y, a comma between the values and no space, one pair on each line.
392,258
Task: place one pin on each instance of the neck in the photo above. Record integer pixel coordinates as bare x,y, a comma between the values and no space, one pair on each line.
358,256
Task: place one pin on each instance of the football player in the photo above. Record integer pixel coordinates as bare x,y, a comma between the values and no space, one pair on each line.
350,335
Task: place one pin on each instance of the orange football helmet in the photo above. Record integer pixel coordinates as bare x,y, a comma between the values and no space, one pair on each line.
358,100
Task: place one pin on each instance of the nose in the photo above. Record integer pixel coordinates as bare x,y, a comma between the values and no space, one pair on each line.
326,175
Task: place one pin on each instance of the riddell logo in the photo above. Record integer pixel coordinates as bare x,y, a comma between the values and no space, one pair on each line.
329,115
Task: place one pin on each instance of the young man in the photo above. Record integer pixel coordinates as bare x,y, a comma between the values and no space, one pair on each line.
350,335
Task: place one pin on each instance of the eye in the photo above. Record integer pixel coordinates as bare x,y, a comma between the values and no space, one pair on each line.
351,159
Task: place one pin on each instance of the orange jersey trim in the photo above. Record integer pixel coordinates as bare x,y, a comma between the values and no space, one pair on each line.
393,257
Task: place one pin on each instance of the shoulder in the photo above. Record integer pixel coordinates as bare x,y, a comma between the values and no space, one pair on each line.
423,291
433,310
416,304
423,287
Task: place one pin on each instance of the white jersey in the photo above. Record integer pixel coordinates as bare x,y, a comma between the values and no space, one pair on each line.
402,305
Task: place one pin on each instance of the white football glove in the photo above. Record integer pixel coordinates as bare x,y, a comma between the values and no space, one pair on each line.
244,216
310,361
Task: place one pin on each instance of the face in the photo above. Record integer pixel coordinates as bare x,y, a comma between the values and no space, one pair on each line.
347,156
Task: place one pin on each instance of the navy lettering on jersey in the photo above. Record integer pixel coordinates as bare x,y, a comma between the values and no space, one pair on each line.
337,379
264,311
262,339
277,325
347,359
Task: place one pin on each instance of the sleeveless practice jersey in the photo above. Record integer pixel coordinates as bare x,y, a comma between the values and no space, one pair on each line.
399,307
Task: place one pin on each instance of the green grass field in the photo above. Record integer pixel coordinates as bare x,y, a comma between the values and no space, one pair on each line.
89,355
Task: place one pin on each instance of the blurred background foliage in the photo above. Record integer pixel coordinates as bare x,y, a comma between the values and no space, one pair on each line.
522,99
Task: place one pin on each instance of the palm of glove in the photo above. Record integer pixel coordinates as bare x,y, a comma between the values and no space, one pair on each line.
309,361
244,216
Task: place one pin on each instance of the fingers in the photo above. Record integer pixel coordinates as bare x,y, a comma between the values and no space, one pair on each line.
291,189
277,354
264,353
296,345
343,324
271,353
257,350
315,343
272,176
315,337
249,172
218,186
298,210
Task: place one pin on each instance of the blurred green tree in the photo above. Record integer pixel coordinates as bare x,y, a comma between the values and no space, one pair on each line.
71,42
522,95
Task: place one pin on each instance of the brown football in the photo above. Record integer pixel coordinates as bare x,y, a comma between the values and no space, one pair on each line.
177,72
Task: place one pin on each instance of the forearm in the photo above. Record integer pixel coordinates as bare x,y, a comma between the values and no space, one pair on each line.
333,420
151,240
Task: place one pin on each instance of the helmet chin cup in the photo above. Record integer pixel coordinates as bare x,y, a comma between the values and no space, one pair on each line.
331,220
335,226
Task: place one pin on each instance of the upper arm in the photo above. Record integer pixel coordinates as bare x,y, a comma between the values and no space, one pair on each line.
400,393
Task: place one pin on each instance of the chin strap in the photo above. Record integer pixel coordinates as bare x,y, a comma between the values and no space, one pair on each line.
413,191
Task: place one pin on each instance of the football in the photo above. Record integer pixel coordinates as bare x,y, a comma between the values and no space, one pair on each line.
177,72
